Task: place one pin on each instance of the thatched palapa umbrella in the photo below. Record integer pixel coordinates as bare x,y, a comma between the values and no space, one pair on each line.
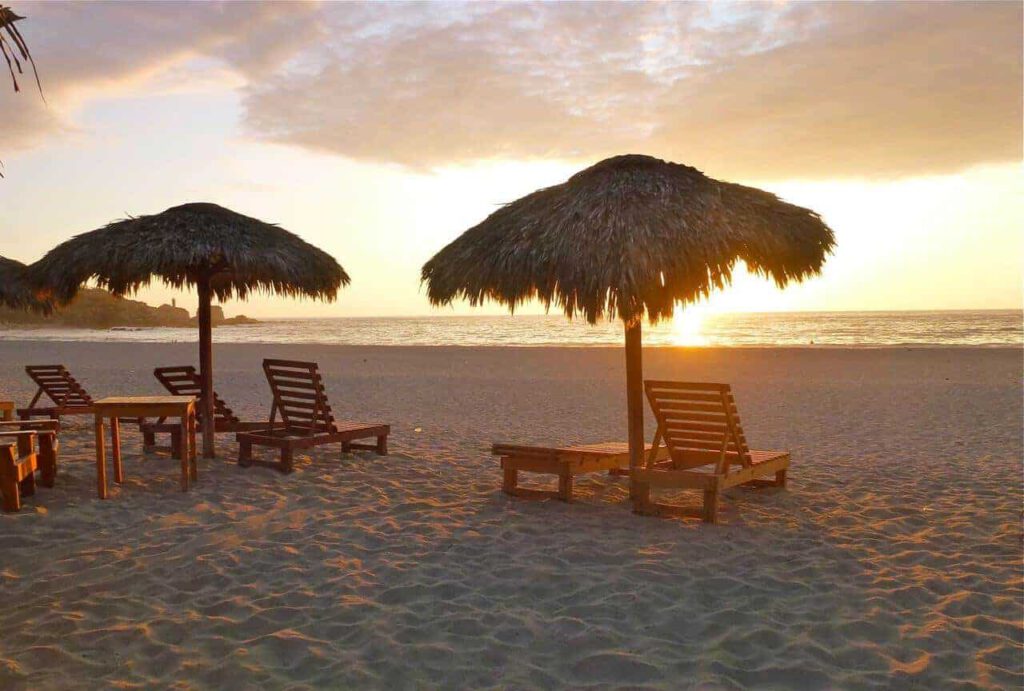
15,291
628,237
220,252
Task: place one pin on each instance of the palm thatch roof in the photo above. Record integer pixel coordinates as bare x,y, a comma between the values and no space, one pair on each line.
628,236
14,289
185,244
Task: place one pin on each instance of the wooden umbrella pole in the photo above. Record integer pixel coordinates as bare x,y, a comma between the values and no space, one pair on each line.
635,396
206,362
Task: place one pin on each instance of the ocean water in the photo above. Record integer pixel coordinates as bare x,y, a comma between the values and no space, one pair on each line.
817,329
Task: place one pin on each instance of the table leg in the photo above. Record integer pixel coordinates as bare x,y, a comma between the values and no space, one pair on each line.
565,485
101,465
115,449
510,479
186,453
192,453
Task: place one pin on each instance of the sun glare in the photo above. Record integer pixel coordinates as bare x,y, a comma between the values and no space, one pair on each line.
688,325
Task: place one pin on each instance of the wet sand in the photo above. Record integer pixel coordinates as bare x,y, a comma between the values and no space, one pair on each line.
893,559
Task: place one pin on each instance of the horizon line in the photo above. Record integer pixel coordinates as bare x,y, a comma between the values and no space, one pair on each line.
729,312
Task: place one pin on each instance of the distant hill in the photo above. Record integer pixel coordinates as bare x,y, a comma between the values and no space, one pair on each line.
98,309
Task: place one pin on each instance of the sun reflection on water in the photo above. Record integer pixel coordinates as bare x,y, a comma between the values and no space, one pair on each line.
688,325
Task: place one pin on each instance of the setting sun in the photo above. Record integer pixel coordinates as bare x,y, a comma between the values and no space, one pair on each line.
688,325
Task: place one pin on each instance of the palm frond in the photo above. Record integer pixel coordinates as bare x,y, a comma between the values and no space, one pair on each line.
15,49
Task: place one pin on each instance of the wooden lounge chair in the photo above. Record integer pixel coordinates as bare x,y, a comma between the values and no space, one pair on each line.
700,426
67,395
22,452
306,417
184,381
565,462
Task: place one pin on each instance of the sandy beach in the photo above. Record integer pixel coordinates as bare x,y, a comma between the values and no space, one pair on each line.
893,559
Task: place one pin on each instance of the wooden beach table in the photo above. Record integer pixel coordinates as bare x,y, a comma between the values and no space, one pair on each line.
182,407
566,462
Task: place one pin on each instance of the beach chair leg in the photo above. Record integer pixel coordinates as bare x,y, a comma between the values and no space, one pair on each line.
28,485
382,445
642,499
510,478
11,499
8,482
780,478
148,441
101,461
711,506
565,486
48,459
286,465
244,453
9,491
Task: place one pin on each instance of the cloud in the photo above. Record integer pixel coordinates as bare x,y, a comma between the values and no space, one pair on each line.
749,91
87,49
753,91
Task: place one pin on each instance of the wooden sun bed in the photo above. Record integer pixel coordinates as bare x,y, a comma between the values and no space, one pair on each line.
700,427
26,447
184,381
566,462
68,396
306,418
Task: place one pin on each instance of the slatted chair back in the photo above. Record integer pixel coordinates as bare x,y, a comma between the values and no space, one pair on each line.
699,424
299,396
184,381
59,386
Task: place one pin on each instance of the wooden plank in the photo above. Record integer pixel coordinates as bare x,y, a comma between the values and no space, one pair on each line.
671,385
711,428
769,467
676,479
686,396
527,464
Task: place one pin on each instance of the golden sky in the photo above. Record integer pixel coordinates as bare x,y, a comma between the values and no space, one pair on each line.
379,132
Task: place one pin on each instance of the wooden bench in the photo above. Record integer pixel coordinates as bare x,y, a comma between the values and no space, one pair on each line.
22,453
184,381
46,441
700,426
306,418
67,395
565,462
